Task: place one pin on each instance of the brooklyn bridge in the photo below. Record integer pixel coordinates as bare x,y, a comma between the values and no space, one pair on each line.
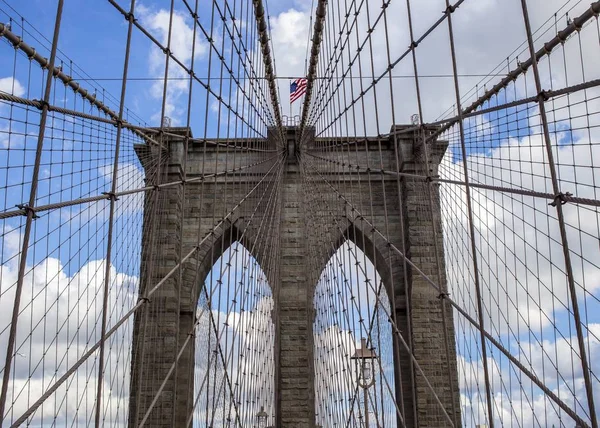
243,213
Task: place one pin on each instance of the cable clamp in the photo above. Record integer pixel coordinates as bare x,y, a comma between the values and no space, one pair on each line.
414,44
156,187
428,179
28,210
41,104
56,70
111,196
561,198
450,9
543,96
18,44
523,67
143,299
129,17
442,296
31,56
167,51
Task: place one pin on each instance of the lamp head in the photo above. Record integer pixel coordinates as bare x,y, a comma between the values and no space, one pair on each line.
262,417
364,357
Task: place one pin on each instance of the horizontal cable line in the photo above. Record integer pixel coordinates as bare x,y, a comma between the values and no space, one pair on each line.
32,54
314,59
263,35
472,321
397,331
547,95
144,130
109,196
141,302
397,76
574,26
189,71
249,59
199,317
388,70
354,303
4,96
563,197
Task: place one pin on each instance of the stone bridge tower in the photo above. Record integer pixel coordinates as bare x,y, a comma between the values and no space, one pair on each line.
407,215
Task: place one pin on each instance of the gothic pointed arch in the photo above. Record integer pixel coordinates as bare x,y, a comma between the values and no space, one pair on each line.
233,365
360,284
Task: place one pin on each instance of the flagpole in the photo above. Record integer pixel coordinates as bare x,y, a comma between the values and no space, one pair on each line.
290,85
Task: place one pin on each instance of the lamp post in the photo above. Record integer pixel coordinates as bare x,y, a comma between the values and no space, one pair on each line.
262,417
363,358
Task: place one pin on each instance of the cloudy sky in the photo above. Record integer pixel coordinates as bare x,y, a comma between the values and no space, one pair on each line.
526,303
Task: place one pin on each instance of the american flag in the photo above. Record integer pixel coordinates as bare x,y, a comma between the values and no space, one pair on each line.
297,89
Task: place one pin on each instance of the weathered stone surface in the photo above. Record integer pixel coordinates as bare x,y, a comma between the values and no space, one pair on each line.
397,206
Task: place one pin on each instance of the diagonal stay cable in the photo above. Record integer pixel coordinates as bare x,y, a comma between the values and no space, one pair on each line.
395,328
30,215
573,27
106,196
185,68
523,192
198,318
471,320
67,80
142,301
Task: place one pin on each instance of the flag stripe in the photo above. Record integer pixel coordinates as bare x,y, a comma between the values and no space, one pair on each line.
297,95
297,89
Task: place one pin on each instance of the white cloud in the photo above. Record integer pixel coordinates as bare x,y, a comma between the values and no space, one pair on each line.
513,230
157,22
10,135
289,34
60,319
513,401
524,290
343,298
246,335
12,86
58,322
129,177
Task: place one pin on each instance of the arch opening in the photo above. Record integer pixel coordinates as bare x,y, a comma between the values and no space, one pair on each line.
234,343
351,303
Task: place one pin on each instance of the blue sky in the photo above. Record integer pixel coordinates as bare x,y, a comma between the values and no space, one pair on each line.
93,37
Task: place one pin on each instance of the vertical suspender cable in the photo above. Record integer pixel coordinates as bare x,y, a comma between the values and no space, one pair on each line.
10,349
